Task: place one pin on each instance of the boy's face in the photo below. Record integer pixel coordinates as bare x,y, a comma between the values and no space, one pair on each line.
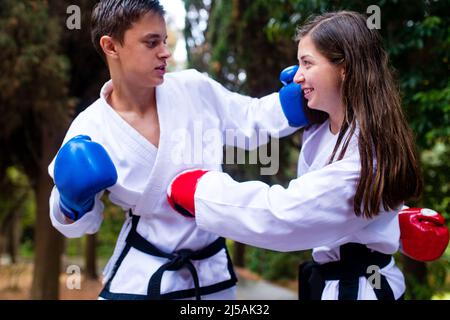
143,55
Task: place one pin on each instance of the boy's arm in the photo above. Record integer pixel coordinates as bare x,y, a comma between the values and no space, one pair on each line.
81,170
247,122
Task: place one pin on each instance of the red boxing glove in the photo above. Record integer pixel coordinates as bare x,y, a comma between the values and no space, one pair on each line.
181,191
423,234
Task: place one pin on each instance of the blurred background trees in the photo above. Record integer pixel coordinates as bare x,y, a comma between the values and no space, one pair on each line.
49,74
34,106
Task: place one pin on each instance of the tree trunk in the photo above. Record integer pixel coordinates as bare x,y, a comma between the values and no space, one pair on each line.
13,241
91,257
239,254
48,241
48,247
10,230
2,244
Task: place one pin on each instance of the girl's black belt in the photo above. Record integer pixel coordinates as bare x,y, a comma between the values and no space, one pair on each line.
355,260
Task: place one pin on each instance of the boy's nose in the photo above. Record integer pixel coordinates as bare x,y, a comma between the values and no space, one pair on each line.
165,53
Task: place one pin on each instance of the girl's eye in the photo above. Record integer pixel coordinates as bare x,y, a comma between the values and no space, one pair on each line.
306,63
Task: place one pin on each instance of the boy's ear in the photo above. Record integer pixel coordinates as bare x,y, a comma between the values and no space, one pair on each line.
108,46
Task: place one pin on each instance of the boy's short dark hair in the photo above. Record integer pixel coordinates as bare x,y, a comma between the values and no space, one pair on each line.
114,17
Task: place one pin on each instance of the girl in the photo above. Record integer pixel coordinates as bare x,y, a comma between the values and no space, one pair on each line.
357,166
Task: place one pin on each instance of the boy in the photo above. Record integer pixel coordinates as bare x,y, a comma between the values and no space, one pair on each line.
135,138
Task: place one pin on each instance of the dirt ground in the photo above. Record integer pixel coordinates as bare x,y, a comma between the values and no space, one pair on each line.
15,283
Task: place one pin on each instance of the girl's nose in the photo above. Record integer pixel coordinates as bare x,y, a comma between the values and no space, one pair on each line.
299,78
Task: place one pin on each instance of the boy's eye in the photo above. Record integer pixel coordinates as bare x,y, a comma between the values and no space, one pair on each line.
152,44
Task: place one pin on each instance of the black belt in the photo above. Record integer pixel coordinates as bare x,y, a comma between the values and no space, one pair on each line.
177,260
354,262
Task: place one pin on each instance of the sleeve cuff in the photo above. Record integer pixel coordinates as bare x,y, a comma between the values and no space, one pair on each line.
87,224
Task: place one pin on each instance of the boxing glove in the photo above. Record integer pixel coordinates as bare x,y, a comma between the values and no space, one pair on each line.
291,98
181,191
82,169
423,234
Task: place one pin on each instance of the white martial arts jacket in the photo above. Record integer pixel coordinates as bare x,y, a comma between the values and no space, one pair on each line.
194,114
314,212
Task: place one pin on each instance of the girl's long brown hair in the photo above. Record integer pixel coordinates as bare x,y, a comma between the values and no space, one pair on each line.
390,172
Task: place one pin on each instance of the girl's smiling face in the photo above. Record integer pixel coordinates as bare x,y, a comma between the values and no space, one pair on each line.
320,79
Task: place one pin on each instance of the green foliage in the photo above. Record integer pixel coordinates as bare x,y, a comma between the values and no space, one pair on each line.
106,236
274,265
14,190
438,272
33,92
434,285
17,199
436,171
34,105
28,56
109,232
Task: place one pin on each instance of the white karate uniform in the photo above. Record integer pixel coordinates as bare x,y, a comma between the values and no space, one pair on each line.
314,212
194,113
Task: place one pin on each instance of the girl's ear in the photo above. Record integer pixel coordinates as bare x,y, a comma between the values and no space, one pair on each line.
342,74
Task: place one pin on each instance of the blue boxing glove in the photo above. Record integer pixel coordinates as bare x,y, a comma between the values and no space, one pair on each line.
83,168
291,98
